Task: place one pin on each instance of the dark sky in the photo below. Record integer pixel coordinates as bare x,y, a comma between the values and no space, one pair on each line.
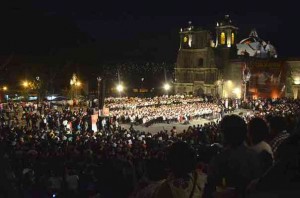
149,29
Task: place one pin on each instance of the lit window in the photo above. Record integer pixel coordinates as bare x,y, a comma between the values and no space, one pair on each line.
185,39
232,38
228,43
222,38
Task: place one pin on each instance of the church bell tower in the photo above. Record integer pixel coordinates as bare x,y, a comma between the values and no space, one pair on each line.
225,33
195,70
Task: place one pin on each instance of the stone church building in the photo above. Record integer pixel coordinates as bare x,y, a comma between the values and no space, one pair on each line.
222,66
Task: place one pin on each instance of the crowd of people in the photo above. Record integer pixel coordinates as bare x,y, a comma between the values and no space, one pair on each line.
163,113
55,152
127,103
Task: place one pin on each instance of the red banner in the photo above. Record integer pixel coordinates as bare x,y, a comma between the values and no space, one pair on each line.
267,79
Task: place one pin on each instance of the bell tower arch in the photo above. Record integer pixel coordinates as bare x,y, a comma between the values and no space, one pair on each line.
225,33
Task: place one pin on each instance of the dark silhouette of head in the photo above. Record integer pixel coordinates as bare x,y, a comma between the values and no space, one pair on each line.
234,130
181,159
277,125
258,130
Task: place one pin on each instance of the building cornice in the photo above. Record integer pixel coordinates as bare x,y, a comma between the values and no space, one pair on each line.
193,50
186,84
227,26
200,69
193,31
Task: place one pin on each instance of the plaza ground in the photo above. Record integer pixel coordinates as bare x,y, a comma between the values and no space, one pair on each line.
155,128
179,126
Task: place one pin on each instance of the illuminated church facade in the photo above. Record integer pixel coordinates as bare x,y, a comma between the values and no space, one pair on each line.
225,67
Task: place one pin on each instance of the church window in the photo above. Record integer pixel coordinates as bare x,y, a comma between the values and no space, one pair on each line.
232,38
222,38
200,63
185,39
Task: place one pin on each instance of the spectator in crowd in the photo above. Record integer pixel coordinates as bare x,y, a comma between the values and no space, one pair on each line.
8,180
59,154
184,180
283,178
72,182
257,133
236,165
278,133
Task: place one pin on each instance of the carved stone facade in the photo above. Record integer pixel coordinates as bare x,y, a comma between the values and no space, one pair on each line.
287,71
293,79
215,67
195,71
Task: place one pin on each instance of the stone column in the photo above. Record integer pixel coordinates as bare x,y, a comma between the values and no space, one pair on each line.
295,91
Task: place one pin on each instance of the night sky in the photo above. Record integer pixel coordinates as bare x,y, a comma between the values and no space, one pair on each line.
136,30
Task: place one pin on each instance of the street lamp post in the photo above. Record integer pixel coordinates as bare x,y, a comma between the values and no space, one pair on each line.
246,79
26,85
74,82
38,89
4,89
222,87
72,88
120,89
77,86
142,85
98,92
245,90
167,87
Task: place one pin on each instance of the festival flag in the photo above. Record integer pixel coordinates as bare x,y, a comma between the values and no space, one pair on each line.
94,122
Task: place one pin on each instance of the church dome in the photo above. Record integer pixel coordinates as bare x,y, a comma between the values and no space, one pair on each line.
250,40
253,37
256,47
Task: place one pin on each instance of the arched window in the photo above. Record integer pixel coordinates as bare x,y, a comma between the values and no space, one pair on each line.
185,39
232,38
200,62
222,38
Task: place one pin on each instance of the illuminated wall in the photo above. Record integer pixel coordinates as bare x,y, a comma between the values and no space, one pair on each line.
293,81
222,37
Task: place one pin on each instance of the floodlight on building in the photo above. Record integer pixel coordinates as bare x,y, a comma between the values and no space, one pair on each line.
229,83
120,88
297,81
237,92
225,94
167,87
